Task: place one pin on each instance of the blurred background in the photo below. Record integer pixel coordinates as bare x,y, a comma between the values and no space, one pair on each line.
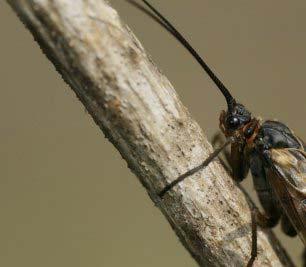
66,196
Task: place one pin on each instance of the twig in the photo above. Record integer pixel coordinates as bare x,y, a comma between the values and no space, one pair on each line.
141,114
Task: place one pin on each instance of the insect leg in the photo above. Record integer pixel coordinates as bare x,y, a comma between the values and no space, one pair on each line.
236,159
254,237
287,226
265,193
239,161
264,221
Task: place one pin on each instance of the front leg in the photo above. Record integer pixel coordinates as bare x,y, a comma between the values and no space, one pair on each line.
236,160
239,161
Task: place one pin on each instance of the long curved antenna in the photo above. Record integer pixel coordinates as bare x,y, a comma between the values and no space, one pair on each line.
173,31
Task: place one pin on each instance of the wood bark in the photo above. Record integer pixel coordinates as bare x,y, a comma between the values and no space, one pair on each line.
140,113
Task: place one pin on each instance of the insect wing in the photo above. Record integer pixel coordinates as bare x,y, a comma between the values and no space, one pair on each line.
288,178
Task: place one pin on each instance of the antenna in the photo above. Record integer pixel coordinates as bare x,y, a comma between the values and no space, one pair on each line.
160,19
205,163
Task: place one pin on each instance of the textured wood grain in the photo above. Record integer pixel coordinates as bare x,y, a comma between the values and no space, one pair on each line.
140,113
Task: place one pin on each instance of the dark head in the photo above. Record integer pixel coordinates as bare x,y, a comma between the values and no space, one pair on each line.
236,117
237,122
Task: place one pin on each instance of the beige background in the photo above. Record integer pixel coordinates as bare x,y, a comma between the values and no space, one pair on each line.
66,196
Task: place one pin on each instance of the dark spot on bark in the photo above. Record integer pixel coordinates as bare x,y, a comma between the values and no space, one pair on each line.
133,56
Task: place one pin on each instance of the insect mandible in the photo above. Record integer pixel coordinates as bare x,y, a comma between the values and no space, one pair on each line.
275,156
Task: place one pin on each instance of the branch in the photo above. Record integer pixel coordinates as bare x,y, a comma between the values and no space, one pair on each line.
141,114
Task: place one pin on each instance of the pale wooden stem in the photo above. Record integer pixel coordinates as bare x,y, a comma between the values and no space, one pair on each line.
140,113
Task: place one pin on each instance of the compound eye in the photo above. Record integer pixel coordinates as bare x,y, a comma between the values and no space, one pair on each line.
233,122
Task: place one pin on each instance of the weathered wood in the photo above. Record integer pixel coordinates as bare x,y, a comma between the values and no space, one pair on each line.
141,114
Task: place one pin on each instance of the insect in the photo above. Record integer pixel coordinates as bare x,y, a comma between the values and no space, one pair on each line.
275,156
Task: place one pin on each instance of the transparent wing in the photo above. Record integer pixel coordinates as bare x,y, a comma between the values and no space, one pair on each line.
287,175
288,178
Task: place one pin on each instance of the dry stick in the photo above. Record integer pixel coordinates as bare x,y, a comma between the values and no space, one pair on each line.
189,173
141,114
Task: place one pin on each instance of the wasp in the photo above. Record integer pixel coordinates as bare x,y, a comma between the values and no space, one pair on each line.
275,156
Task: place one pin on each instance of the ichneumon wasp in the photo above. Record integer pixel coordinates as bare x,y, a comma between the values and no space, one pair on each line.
269,149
